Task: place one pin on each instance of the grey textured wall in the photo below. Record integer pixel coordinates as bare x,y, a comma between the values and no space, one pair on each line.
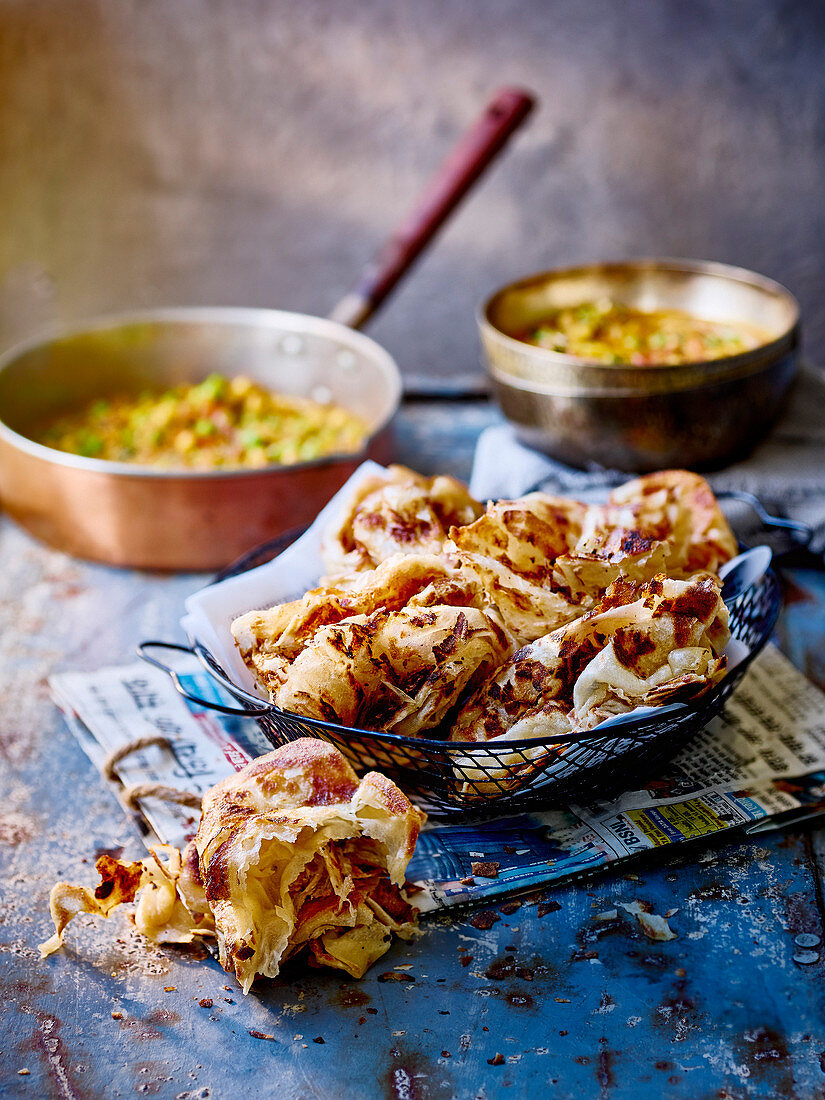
242,152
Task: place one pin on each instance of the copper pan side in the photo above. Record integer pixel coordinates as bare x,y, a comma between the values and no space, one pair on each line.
698,415
121,514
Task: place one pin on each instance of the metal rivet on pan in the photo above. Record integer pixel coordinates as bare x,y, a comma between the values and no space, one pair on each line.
346,360
806,957
292,344
807,939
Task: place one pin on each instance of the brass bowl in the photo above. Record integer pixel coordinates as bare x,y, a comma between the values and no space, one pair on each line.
127,514
697,415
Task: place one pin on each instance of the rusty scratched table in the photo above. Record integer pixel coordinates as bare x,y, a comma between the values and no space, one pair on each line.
721,1011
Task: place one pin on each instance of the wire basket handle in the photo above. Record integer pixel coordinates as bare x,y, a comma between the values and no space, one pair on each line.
803,533
209,704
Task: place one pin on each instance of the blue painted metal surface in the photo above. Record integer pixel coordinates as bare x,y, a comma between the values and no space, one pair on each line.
573,1005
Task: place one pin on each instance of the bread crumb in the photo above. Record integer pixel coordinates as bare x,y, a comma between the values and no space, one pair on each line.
485,868
484,920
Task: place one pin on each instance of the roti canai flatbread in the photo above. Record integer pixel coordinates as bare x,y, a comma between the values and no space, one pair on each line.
292,854
643,645
297,854
269,639
512,549
678,508
399,512
401,671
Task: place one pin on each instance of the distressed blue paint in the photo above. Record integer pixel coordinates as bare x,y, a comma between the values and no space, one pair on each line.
721,1010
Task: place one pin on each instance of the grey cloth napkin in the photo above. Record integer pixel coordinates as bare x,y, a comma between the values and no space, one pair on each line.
786,472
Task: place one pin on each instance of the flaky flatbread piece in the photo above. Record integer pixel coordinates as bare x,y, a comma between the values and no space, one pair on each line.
269,639
293,853
602,556
424,634
400,671
296,854
668,522
679,508
171,902
399,512
643,645
512,550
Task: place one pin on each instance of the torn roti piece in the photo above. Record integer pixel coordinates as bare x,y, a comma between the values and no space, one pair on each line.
171,907
398,512
297,854
292,854
654,926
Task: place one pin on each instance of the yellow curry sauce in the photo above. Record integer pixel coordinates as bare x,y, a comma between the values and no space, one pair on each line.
608,332
219,422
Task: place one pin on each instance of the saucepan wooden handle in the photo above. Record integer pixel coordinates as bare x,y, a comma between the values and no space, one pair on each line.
477,149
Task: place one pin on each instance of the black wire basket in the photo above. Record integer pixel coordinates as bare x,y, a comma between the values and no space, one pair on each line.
455,779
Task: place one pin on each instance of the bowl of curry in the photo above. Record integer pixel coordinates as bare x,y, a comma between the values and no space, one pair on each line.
643,364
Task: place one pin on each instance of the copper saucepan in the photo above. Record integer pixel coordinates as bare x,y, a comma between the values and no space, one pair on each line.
125,514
